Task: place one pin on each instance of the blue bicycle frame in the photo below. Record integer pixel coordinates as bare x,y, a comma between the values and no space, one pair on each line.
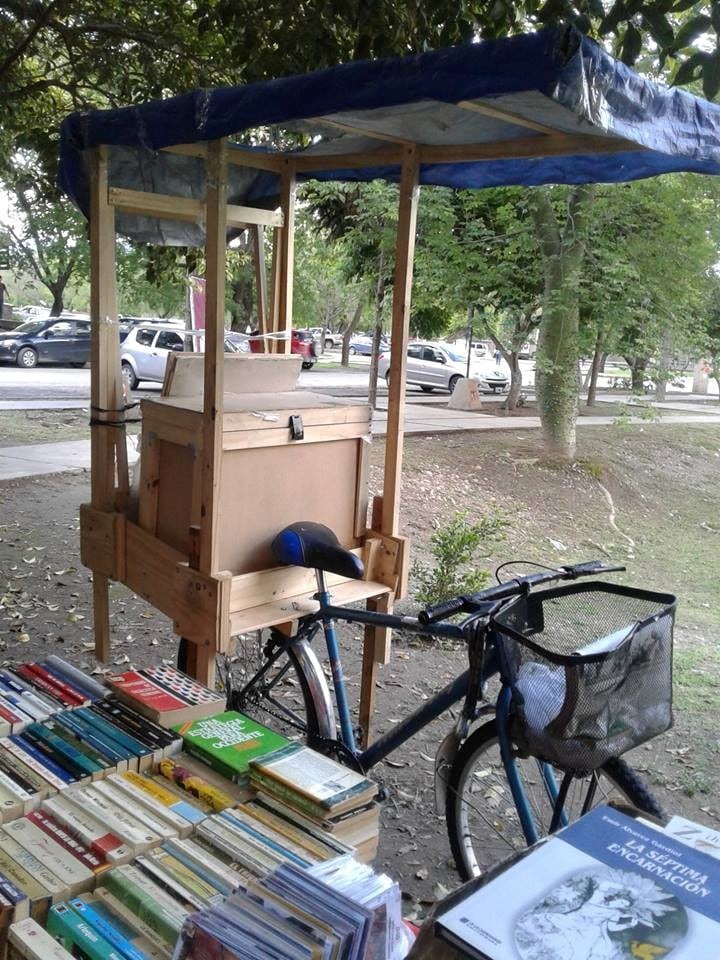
433,708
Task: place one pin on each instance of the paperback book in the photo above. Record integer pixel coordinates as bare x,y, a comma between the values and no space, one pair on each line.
229,742
165,695
605,888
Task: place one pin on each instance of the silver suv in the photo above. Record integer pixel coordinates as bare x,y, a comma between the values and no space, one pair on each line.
441,365
144,352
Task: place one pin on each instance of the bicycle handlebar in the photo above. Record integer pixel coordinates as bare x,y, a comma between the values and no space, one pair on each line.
472,602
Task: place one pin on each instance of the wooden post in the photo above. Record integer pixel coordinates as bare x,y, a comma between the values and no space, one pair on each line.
215,255
386,513
107,443
404,255
286,253
261,292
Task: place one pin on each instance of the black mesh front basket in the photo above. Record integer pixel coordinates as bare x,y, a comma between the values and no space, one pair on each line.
590,669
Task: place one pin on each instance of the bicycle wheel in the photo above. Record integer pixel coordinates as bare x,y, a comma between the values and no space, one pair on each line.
483,824
280,684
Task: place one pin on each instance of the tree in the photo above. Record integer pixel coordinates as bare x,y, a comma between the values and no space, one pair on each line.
47,238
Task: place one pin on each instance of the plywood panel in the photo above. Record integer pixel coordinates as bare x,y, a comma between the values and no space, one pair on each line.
264,489
244,373
174,494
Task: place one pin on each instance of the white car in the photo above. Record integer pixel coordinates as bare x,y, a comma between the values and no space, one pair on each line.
144,352
441,366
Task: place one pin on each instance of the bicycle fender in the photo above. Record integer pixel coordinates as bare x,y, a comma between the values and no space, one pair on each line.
444,760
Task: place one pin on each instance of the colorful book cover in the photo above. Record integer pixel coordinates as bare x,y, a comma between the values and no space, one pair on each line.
322,781
106,929
154,907
88,829
158,794
74,933
60,835
181,685
141,689
195,785
607,886
229,742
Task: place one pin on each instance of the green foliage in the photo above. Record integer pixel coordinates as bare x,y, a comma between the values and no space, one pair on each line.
455,549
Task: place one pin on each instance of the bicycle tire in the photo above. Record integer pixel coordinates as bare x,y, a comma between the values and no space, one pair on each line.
273,699
492,827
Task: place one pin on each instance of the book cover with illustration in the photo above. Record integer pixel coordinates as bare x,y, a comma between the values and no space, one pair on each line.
228,742
605,888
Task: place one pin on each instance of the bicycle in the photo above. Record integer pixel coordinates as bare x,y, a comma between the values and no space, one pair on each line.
527,786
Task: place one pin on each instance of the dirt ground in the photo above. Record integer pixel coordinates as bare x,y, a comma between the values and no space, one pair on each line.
644,495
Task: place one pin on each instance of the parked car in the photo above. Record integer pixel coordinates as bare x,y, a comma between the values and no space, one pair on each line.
329,339
64,339
362,345
144,352
31,312
440,366
126,323
302,342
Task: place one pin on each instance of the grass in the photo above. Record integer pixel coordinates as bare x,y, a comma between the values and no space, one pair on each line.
21,427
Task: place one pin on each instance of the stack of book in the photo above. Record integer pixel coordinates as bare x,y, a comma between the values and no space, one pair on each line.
308,788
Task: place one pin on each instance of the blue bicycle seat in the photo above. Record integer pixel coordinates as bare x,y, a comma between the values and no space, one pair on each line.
308,544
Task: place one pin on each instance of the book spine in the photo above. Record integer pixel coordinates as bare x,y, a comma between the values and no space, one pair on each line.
76,934
135,724
30,941
161,811
77,761
21,774
63,864
101,762
107,729
61,836
26,672
36,868
28,885
139,813
30,744
56,687
15,896
33,702
187,877
111,752
13,788
195,785
157,948
89,830
211,869
118,820
285,793
142,896
160,795
20,703
169,884
62,683
214,763
10,716
13,747
262,837
106,930
82,680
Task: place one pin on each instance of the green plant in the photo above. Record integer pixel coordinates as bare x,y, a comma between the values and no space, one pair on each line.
454,547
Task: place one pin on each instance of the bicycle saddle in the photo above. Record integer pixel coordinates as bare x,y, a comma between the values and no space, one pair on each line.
308,544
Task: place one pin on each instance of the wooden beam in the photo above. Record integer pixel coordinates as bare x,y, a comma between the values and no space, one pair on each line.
215,256
404,255
383,156
286,254
557,145
272,321
498,113
171,207
360,131
256,159
261,291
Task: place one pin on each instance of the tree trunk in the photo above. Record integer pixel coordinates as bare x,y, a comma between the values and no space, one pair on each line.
638,365
347,334
557,356
594,372
666,353
516,381
374,357
58,304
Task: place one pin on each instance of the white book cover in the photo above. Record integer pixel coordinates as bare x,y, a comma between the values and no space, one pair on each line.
606,888
695,834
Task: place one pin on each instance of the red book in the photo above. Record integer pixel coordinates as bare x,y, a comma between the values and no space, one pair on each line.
64,690
134,686
158,704
11,717
60,835
73,693
40,683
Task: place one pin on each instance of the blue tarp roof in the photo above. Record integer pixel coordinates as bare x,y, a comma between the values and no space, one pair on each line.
555,81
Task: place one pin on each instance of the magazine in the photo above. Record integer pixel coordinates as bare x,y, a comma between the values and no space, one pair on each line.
605,888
